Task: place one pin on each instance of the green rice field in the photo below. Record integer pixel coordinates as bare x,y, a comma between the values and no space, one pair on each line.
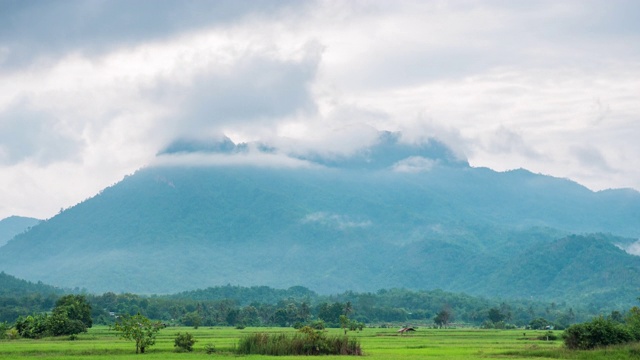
382,344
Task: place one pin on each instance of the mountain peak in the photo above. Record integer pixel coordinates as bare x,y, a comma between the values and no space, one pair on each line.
388,151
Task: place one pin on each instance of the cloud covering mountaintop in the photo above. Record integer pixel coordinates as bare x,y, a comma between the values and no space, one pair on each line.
93,90
387,151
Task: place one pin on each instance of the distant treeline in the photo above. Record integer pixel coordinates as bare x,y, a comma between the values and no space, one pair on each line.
264,306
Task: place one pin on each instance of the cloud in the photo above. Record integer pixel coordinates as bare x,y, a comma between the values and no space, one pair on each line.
414,164
341,222
35,30
27,134
249,158
504,140
97,88
633,248
589,156
255,91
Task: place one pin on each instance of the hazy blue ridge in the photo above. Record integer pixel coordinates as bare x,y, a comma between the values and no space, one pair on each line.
14,225
450,226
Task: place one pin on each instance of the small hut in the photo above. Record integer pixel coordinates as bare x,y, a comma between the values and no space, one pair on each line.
406,329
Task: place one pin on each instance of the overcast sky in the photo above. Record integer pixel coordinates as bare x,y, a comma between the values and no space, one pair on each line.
90,91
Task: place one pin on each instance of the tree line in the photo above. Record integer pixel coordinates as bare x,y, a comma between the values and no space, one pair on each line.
263,306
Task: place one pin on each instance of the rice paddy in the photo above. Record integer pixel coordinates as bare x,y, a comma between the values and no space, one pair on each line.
377,344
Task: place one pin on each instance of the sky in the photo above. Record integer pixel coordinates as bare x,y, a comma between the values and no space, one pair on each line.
92,90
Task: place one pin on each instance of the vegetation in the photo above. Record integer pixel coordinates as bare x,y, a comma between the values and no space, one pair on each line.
599,332
602,332
298,306
139,329
376,343
489,234
307,341
184,342
71,315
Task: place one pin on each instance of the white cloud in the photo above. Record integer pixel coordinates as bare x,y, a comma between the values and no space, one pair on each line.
251,158
341,222
414,164
549,86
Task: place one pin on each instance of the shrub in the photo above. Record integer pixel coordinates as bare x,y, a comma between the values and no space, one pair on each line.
12,334
33,326
548,336
306,342
184,342
596,333
210,349
539,324
318,325
633,322
4,328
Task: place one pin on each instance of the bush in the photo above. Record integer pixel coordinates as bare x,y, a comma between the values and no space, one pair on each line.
548,336
306,342
12,334
33,326
596,333
4,328
60,324
210,349
633,322
539,324
184,342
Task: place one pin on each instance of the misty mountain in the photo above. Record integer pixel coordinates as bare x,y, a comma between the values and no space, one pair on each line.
12,287
417,217
14,225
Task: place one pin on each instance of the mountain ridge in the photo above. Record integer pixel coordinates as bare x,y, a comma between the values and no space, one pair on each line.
167,229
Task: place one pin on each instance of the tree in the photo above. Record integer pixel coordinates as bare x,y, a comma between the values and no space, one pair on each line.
443,318
539,324
139,329
59,323
495,315
348,308
344,323
76,307
633,322
191,319
32,326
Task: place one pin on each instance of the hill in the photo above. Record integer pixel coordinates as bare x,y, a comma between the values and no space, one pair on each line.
12,287
377,219
14,225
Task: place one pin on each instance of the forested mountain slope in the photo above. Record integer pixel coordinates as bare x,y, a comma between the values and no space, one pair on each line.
379,219
14,225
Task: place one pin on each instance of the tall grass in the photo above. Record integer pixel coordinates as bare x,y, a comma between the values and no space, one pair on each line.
306,342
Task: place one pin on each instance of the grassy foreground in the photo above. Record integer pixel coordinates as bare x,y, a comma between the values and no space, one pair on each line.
100,343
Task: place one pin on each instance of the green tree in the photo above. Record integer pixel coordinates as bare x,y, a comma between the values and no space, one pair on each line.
137,328
344,323
4,327
191,319
32,326
495,315
539,324
633,322
59,323
443,318
76,307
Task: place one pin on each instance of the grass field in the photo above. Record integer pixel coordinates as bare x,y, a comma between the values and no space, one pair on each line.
378,344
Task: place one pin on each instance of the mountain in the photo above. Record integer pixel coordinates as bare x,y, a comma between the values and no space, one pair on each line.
412,216
12,287
14,225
